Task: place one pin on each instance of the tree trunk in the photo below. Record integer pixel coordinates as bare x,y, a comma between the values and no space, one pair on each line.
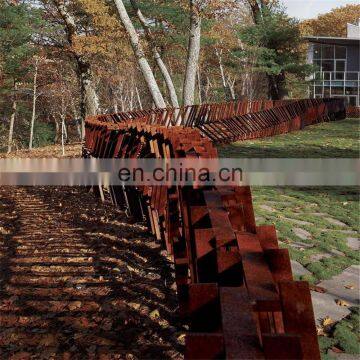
89,102
89,98
207,89
34,104
12,119
276,86
222,73
63,134
226,82
76,118
138,97
199,85
159,62
193,54
116,108
231,87
62,114
57,130
140,56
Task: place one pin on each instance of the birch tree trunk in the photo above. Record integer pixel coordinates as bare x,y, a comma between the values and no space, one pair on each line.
34,104
231,87
89,99
159,62
63,135
12,119
199,85
76,118
63,128
140,55
193,54
57,130
227,84
116,108
222,72
138,97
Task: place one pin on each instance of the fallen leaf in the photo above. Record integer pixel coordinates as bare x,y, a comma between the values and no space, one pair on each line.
320,330
106,325
135,306
103,341
341,302
20,356
74,305
328,321
318,289
181,338
350,286
154,314
336,350
3,231
48,340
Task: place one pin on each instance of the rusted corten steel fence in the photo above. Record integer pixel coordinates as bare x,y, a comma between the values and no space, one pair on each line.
235,286
228,122
353,112
192,116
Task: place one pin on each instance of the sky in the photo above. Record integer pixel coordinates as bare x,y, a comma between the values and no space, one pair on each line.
307,9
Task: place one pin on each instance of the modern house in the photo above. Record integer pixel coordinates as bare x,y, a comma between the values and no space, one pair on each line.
338,65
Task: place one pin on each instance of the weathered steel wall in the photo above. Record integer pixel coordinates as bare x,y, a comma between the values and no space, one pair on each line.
235,286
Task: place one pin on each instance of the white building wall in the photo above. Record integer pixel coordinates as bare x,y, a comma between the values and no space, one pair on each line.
353,31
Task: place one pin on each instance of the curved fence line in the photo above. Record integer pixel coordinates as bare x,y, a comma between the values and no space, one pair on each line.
227,122
235,286
353,112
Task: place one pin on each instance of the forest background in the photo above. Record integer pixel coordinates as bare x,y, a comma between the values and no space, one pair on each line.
61,60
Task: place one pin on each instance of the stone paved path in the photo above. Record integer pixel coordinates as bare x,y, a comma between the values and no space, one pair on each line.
343,287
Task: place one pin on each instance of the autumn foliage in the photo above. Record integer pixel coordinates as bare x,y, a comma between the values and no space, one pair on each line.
332,23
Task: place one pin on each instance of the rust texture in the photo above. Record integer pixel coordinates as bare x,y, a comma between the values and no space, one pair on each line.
235,286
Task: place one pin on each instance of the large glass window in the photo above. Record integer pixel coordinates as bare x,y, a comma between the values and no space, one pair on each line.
352,100
351,76
317,63
337,90
317,51
353,84
328,65
318,90
340,52
340,69
351,90
327,51
340,65
331,78
329,57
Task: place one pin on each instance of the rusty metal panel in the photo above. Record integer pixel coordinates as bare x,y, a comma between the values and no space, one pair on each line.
234,284
298,316
241,342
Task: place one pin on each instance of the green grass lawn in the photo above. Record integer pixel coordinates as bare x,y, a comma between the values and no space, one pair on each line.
314,223
323,248
331,139
326,216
